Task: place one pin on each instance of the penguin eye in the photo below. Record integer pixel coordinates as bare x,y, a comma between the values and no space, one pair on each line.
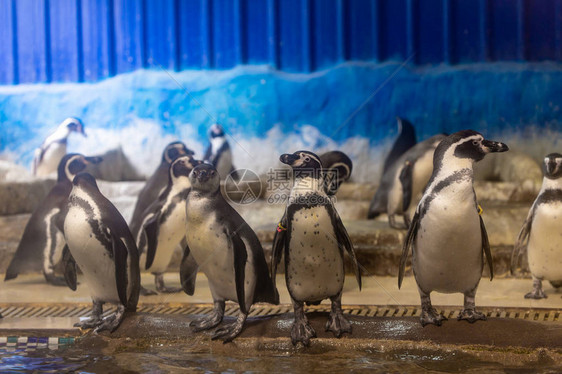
306,159
212,173
475,142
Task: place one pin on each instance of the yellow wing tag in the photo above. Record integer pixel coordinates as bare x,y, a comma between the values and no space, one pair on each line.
480,210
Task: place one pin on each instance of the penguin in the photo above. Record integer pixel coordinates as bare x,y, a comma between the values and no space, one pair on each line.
312,238
157,182
338,167
99,242
405,180
447,234
48,156
540,235
41,244
406,139
227,250
163,225
219,153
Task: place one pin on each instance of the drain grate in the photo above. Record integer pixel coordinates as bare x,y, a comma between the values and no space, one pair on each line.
83,310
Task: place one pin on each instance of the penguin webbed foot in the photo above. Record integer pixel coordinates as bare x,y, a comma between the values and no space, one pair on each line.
302,332
338,324
206,323
536,293
395,225
112,322
471,315
56,281
89,323
161,287
147,292
231,331
432,317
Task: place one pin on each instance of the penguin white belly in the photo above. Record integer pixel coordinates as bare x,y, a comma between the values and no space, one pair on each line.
54,243
448,248
51,159
212,250
315,265
224,164
395,195
423,169
544,251
91,256
170,234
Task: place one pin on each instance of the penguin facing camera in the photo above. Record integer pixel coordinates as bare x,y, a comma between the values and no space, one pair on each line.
41,244
312,238
540,235
98,240
219,153
337,166
52,150
404,181
447,234
157,182
406,139
227,250
163,223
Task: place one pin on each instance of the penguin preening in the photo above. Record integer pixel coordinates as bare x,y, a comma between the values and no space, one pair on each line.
163,226
540,237
98,240
52,150
227,250
404,182
406,139
337,166
447,234
312,238
219,153
40,247
157,182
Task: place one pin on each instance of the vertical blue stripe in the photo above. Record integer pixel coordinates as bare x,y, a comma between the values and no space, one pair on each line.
48,62
307,25
16,76
411,33
273,33
558,29
79,42
376,30
447,22
206,34
111,56
521,28
484,30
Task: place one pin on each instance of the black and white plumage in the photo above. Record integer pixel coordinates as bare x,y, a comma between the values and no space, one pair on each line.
98,240
406,139
52,150
41,244
163,222
541,237
227,250
447,234
156,184
312,238
219,153
337,167
404,182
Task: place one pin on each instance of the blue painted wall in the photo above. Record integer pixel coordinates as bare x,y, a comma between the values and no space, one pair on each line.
88,40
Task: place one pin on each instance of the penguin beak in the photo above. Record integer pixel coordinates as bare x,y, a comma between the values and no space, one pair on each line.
288,159
93,160
491,146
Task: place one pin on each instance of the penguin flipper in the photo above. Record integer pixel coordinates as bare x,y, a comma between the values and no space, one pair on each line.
344,239
240,258
188,271
406,179
486,247
208,153
278,246
408,241
406,139
522,241
120,257
151,230
69,266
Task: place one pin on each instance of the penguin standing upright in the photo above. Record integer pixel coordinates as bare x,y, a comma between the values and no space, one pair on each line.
447,233
157,182
163,226
48,156
41,244
540,235
312,238
219,153
98,240
227,250
337,167
407,178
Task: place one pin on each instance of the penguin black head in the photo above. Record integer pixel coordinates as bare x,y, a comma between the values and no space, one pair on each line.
338,167
205,178
467,144
175,150
74,124
85,181
216,131
72,164
182,166
552,166
302,160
